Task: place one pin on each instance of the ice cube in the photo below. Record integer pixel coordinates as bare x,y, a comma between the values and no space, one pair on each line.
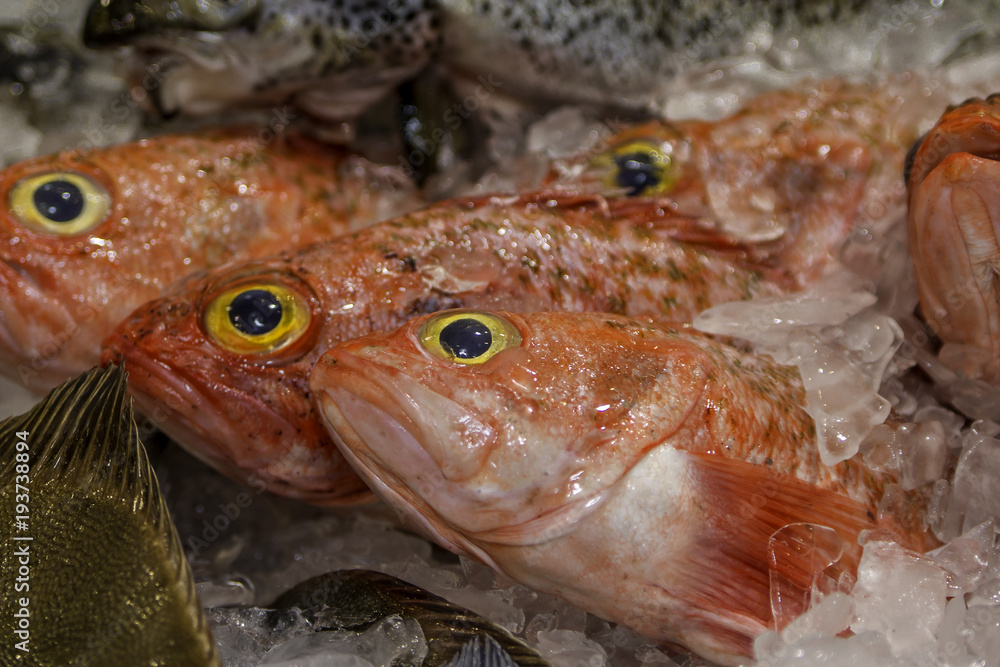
568,648
965,559
900,594
923,453
982,632
865,649
975,496
391,639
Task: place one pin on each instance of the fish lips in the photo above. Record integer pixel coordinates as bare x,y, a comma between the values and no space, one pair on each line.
373,413
954,229
207,420
38,335
120,22
972,127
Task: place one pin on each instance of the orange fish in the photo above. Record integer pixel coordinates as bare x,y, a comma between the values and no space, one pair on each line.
226,356
87,236
637,470
828,152
954,216
815,155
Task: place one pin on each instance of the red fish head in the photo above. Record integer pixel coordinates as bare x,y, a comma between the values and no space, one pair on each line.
954,216
497,427
220,364
87,236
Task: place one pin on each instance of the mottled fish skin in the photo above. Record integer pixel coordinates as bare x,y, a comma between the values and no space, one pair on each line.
245,409
954,222
331,59
335,58
636,470
159,209
817,156
107,581
354,599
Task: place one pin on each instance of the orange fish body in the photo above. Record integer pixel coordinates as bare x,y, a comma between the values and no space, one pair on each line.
87,236
751,206
636,470
240,400
817,156
954,219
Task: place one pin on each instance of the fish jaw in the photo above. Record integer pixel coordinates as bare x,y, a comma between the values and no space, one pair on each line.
192,391
954,228
400,437
201,58
971,127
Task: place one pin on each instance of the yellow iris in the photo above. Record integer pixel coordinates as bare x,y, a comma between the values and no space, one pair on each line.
641,167
467,337
257,317
60,202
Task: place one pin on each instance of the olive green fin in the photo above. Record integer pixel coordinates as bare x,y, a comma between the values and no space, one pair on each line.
106,580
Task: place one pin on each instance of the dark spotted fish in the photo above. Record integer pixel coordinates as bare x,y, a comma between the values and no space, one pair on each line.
336,58
93,570
456,637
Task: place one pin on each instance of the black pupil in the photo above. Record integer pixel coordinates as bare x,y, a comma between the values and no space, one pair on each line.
255,312
636,172
59,201
466,338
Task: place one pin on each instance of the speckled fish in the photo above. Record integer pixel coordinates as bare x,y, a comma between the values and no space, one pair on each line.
225,357
87,236
455,636
335,58
94,573
636,470
820,154
953,178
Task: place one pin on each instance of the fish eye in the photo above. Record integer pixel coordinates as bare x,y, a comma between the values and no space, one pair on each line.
60,202
467,337
257,318
639,167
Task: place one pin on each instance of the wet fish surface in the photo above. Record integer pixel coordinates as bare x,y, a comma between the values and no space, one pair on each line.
637,470
612,248
455,636
954,224
87,236
93,568
335,59
225,357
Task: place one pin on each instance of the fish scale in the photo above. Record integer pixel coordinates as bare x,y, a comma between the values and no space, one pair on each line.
336,59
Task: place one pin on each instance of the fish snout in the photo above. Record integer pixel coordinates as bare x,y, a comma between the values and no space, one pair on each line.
112,23
971,127
954,229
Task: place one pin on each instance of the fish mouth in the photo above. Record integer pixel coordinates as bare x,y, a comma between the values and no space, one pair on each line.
196,74
954,227
113,23
304,466
971,127
36,335
387,428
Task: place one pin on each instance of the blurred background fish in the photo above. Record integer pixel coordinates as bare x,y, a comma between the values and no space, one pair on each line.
88,235
354,600
954,221
335,59
94,571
